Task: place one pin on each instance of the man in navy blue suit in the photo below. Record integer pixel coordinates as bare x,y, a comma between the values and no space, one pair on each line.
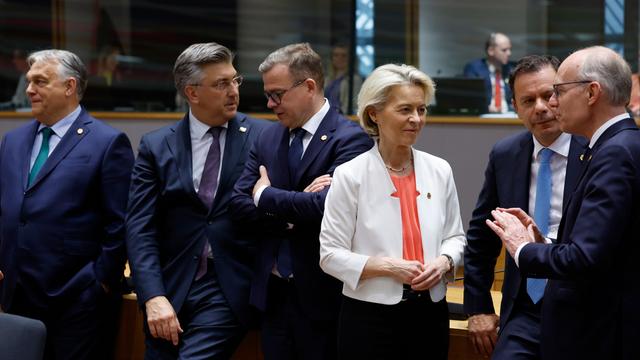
511,180
191,265
282,191
590,308
63,192
494,69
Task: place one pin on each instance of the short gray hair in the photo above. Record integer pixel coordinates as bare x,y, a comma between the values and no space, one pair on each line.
375,90
611,71
69,66
301,60
188,67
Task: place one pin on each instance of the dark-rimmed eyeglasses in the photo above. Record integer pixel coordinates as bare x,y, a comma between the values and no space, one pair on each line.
556,87
276,96
224,84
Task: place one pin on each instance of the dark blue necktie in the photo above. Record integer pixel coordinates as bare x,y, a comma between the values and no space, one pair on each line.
207,188
285,266
535,287
43,154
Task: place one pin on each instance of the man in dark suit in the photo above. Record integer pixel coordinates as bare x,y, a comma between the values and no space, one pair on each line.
590,308
282,190
511,180
191,266
494,69
63,194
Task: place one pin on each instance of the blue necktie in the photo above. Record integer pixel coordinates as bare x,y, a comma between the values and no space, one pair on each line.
207,189
535,287
285,266
43,154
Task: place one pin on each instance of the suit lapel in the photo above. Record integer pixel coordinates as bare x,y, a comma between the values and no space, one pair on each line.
26,146
80,128
522,172
180,146
322,136
574,168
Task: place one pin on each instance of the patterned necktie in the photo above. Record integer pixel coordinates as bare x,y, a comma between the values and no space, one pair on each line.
207,189
498,94
43,154
535,287
285,266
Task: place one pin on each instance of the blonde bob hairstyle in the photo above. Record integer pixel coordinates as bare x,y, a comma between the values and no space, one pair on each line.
375,90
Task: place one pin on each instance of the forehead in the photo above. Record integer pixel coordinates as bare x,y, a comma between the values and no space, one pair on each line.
569,68
534,80
278,77
43,68
413,94
218,71
502,41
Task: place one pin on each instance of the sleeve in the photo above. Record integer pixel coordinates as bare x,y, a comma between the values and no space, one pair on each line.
115,176
142,244
453,241
483,248
338,229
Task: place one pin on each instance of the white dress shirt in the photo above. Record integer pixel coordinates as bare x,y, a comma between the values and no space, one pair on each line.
201,140
59,129
559,159
604,127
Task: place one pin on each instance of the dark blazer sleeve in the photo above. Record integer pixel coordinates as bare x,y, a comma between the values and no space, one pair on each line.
142,244
593,243
115,176
483,247
471,69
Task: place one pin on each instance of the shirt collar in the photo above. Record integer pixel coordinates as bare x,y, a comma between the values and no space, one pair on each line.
198,129
560,146
61,127
604,127
312,125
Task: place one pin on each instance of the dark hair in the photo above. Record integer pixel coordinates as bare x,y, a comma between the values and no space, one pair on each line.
301,60
530,64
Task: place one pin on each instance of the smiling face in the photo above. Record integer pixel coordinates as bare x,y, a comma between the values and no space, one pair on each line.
532,92
402,117
52,97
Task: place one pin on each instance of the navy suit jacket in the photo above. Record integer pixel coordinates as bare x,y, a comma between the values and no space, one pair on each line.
590,307
507,181
336,141
168,225
480,69
65,231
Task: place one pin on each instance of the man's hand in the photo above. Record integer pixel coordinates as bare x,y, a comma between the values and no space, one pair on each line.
262,181
510,230
526,220
162,319
483,332
432,274
319,183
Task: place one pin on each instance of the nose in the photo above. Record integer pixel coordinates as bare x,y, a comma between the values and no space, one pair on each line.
541,105
30,91
553,101
414,116
270,103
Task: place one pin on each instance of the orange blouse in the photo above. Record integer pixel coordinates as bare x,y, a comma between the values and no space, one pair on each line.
411,235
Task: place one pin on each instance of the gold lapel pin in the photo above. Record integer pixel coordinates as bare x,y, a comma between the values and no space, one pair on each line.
323,138
243,129
589,158
429,195
80,131
581,157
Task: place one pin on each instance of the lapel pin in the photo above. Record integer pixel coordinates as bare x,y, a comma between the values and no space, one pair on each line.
243,129
80,131
581,157
429,195
323,138
589,158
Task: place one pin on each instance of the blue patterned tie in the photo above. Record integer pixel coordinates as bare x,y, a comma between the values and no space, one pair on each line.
43,154
535,287
285,266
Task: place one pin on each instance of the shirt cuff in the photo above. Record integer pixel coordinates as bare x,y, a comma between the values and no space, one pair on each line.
517,254
256,196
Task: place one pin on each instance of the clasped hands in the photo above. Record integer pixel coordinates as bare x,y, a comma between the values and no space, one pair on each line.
514,227
420,276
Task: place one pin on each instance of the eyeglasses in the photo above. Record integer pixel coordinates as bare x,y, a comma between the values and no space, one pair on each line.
556,90
224,84
277,96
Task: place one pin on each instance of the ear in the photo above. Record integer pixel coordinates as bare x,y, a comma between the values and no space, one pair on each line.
371,111
191,94
70,86
311,85
594,92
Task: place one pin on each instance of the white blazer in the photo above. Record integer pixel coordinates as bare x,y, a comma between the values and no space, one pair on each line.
362,219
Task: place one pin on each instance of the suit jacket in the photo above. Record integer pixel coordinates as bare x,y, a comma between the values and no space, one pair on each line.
168,225
336,141
362,218
480,69
506,184
65,231
590,307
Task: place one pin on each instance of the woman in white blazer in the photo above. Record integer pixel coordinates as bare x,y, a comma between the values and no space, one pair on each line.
391,230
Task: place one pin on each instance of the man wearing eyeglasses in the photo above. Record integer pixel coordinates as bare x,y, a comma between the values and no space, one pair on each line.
282,191
191,265
590,308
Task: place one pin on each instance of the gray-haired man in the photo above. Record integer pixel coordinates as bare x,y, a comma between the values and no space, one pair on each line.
191,265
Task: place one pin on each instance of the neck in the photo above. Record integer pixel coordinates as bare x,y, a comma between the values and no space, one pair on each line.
316,104
394,156
207,118
52,119
602,116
